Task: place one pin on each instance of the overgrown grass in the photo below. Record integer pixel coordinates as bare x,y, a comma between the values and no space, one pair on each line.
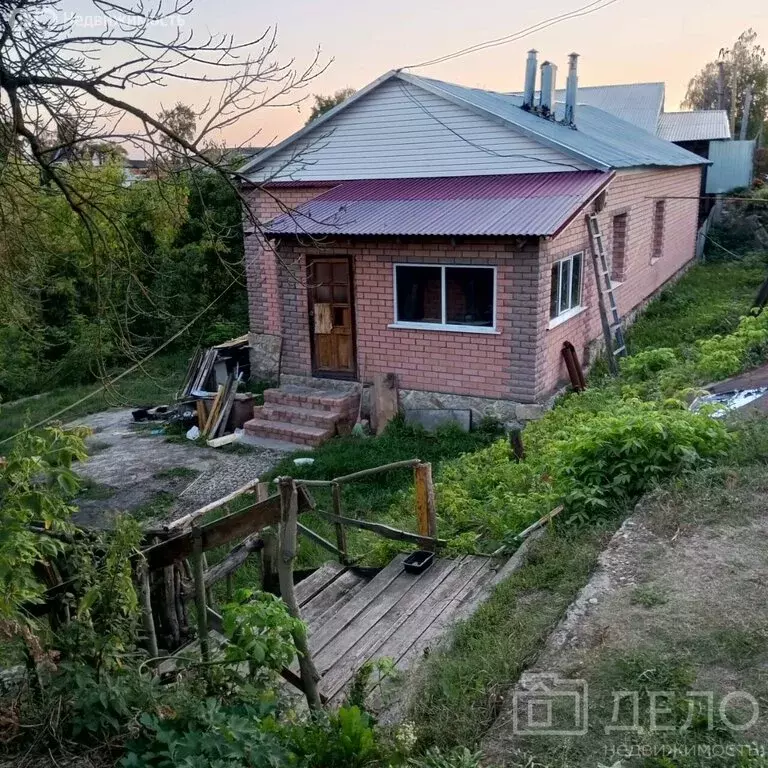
374,497
460,689
155,384
709,299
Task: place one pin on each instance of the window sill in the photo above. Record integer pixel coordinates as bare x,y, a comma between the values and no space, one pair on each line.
565,317
440,327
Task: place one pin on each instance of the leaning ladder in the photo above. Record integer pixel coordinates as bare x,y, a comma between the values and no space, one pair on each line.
614,335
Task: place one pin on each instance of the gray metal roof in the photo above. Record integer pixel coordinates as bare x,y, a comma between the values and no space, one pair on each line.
600,139
605,140
636,103
701,125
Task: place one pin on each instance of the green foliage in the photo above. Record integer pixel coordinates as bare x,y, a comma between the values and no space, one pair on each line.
641,366
36,486
722,356
709,299
331,739
324,104
209,736
260,631
457,758
153,256
608,461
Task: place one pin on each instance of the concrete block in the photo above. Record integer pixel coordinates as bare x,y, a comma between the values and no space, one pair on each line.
529,411
432,419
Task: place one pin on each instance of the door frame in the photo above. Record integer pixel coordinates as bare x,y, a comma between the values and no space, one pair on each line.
342,375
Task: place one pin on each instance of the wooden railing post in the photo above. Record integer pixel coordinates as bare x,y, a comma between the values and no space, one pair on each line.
425,502
289,512
198,572
146,609
269,581
341,534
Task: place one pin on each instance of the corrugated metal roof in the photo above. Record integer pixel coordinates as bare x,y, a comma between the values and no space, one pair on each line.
607,140
701,125
732,166
526,205
636,103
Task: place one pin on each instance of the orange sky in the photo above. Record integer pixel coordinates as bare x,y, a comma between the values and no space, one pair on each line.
631,41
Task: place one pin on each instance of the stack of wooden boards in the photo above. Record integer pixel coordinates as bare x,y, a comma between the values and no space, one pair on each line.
209,367
213,423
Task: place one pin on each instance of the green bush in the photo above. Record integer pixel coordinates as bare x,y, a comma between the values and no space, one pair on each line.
644,364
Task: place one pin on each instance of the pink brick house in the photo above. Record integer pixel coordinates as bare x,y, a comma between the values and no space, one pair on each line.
438,232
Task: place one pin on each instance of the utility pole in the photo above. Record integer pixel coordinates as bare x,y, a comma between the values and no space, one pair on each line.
734,106
745,114
721,85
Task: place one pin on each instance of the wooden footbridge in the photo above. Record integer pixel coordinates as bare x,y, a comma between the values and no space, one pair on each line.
353,614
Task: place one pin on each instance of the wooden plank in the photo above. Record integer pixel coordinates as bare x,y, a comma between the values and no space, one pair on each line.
365,647
187,519
383,530
397,645
218,442
327,603
320,636
235,526
341,534
216,405
318,539
316,582
232,561
436,621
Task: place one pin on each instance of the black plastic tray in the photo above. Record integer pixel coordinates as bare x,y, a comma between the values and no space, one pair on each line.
418,562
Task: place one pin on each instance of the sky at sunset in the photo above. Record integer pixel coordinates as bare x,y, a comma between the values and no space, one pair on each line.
630,41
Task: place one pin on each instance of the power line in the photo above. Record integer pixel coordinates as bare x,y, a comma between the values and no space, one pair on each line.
584,10
125,373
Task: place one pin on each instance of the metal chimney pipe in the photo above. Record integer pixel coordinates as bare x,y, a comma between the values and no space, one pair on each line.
530,79
572,89
548,82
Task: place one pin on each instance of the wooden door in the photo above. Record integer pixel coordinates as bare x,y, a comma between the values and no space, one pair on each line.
331,317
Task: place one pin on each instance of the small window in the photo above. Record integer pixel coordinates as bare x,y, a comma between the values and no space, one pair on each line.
619,250
566,285
450,297
659,214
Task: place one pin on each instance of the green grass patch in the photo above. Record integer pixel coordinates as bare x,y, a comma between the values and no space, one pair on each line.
648,596
176,472
93,491
156,383
460,689
709,299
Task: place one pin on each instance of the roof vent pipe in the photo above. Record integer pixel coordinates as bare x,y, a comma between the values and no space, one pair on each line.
530,79
548,81
572,89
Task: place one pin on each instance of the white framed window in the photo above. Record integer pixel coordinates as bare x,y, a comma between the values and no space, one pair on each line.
567,274
445,297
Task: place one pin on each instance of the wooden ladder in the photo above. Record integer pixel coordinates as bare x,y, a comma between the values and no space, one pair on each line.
612,331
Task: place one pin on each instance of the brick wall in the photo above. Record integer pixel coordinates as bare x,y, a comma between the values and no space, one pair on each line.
261,273
521,362
631,192
494,365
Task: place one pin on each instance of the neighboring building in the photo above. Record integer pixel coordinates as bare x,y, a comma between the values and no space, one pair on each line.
438,232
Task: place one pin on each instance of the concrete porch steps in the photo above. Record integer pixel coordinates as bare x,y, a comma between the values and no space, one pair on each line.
303,415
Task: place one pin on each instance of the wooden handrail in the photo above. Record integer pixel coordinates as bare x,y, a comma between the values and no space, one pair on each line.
383,530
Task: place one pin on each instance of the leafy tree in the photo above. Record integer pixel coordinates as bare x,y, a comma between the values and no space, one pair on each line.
744,64
324,104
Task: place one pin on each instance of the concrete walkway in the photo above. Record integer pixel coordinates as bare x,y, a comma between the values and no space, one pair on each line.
137,469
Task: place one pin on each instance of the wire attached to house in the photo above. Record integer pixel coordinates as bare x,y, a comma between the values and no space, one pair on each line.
471,143
584,10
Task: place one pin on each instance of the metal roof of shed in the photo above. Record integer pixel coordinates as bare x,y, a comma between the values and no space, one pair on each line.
701,125
526,205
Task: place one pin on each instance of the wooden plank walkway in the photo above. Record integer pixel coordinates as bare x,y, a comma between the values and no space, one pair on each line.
353,618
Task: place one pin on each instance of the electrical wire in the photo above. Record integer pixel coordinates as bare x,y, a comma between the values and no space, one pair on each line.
125,373
584,10
471,143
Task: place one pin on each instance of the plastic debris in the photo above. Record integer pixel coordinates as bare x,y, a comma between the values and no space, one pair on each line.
193,433
728,401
